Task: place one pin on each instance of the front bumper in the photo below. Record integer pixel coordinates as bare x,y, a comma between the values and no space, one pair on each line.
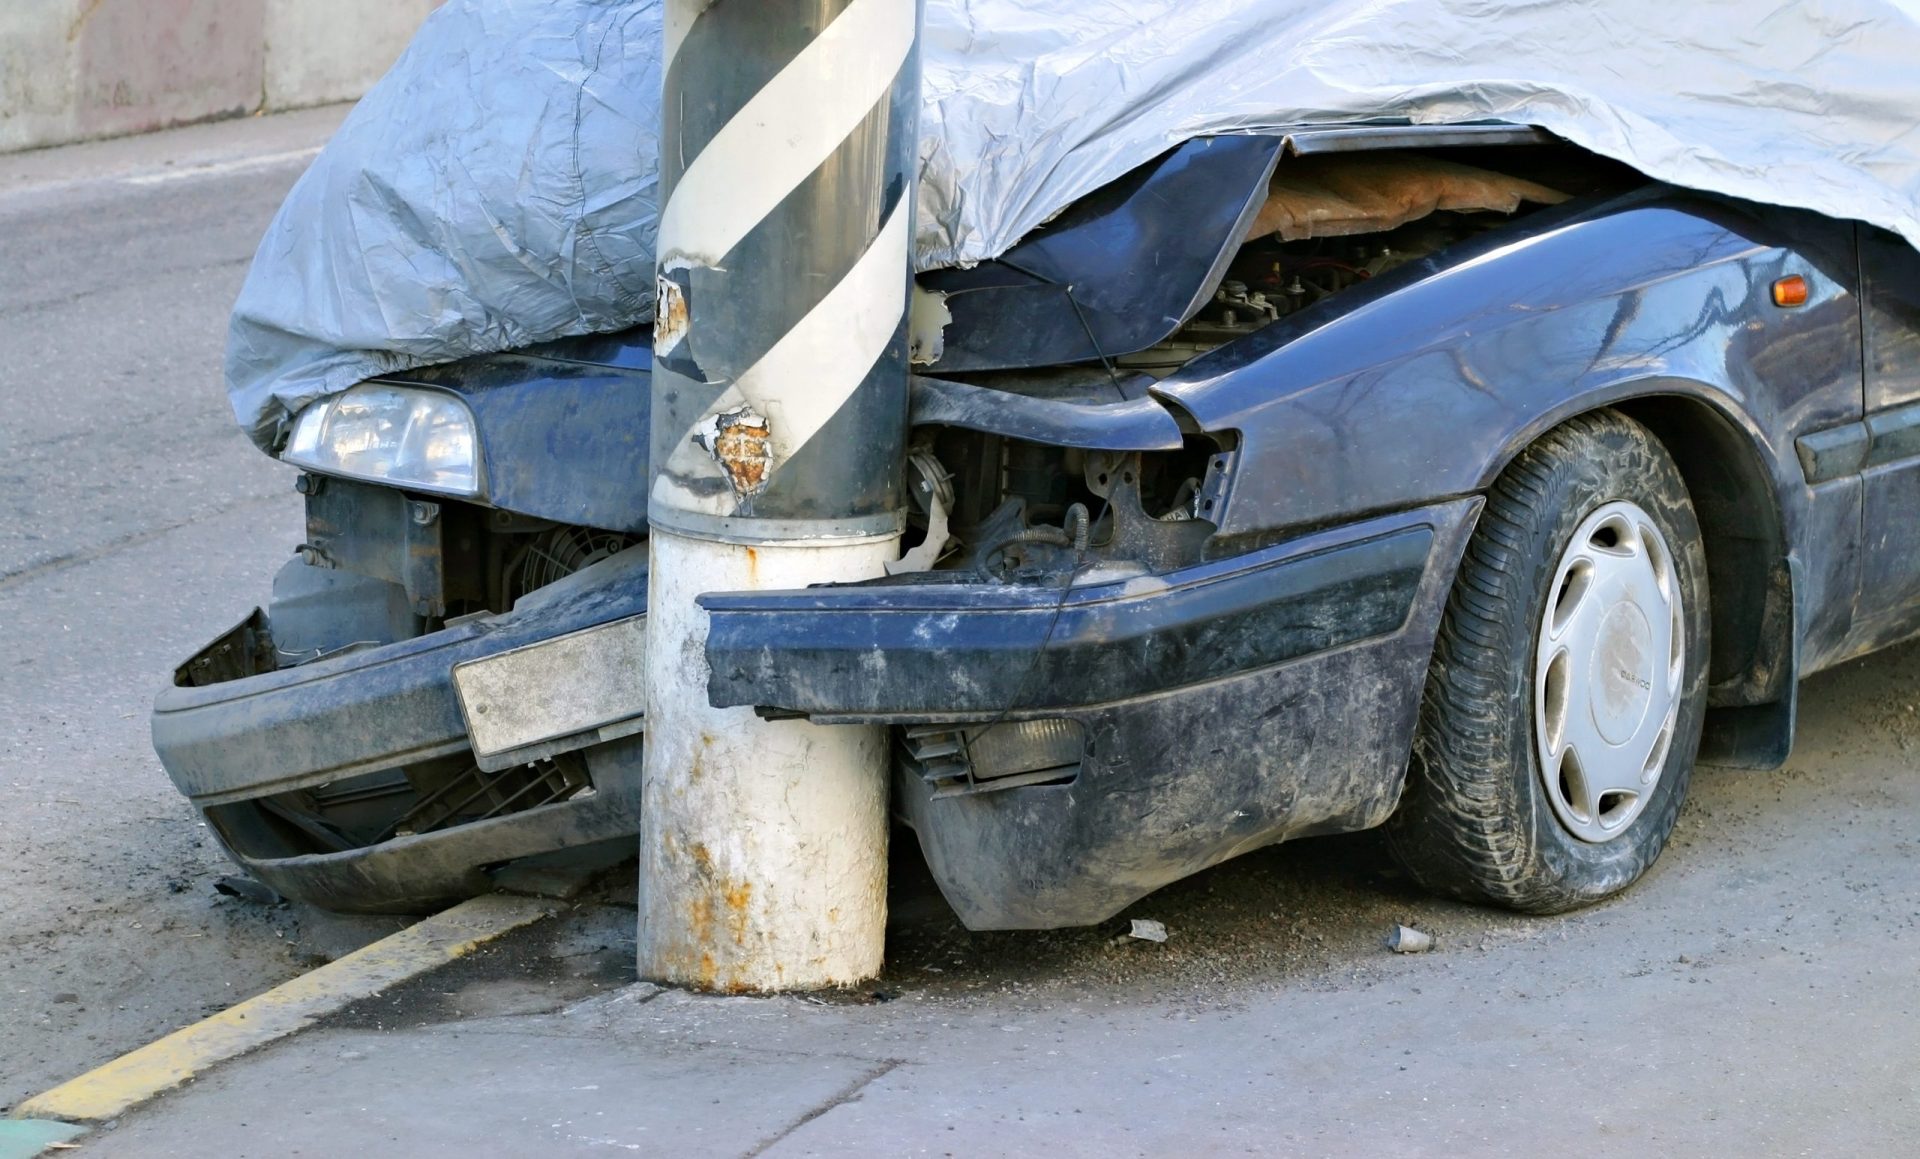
1224,706
237,747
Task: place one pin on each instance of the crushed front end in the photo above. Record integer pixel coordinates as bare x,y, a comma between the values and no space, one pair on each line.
1145,619
1093,692
445,677
1132,642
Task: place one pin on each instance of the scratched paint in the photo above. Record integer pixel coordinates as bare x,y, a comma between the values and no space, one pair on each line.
669,315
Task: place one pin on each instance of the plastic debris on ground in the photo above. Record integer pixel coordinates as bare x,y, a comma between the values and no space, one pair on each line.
1147,930
1407,940
248,890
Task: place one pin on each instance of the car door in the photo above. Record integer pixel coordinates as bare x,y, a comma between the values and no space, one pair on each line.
1888,608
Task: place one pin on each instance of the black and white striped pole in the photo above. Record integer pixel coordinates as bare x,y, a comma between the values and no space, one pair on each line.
779,421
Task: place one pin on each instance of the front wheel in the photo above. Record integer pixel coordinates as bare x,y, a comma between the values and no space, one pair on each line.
1563,707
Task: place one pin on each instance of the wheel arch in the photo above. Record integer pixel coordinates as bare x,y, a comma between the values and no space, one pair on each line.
1754,663
1742,529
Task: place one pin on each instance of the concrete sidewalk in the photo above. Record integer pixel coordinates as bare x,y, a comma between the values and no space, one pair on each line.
1462,1052
108,172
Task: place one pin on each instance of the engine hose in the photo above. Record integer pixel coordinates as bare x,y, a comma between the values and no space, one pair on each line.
1078,525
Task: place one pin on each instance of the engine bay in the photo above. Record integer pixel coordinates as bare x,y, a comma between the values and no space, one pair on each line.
1025,512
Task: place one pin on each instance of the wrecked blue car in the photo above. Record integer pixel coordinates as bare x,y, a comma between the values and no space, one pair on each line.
1447,480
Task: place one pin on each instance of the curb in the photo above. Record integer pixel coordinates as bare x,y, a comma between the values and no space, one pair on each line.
118,1086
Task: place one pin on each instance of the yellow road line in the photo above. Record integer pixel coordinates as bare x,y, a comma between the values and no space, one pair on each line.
133,1078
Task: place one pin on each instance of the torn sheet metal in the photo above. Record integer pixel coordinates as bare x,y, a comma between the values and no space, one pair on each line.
497,187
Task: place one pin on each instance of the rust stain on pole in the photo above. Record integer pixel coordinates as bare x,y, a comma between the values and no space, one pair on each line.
738,896
742,443
669,315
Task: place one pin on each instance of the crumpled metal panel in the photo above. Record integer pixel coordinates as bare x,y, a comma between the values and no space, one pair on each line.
497,187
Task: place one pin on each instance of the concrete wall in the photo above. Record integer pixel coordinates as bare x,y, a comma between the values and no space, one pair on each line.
72,70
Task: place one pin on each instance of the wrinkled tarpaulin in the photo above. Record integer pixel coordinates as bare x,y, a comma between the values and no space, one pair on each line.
498,187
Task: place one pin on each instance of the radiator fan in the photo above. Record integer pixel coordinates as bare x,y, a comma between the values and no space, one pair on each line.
558,553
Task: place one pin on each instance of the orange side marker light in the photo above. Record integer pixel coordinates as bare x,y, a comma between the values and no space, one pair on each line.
1790,291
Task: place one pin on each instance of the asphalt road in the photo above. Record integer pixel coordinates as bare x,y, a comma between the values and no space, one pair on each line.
135,524
1756,994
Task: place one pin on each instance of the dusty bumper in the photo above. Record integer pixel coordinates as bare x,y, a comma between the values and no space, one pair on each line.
1224,707
230,746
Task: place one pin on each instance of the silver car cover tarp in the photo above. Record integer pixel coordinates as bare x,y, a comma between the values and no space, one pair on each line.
498,187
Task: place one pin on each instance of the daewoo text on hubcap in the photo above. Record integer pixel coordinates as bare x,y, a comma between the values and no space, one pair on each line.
1607,672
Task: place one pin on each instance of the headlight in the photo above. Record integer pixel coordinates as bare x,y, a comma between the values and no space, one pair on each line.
418,439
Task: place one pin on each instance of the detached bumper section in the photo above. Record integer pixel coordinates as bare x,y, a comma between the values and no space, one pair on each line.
1063,753
353,781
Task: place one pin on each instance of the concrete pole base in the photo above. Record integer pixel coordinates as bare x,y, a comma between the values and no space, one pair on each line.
763,844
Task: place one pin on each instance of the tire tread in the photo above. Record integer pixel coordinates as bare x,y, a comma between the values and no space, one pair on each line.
1458,831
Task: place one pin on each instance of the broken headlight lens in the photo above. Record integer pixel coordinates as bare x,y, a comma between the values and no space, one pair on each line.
418,439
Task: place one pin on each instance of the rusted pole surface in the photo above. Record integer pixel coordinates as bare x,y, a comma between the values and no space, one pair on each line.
779,420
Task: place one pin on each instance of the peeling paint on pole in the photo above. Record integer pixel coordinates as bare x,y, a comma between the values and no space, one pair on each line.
669,314
779,428
742,443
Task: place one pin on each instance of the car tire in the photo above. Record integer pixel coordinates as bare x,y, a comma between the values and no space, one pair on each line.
1551,678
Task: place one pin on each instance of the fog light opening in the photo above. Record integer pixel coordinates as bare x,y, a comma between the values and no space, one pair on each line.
956,760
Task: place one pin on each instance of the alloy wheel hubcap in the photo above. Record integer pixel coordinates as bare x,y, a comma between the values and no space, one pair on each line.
1607,672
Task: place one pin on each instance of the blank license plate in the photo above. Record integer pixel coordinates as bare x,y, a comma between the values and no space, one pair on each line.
572,684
